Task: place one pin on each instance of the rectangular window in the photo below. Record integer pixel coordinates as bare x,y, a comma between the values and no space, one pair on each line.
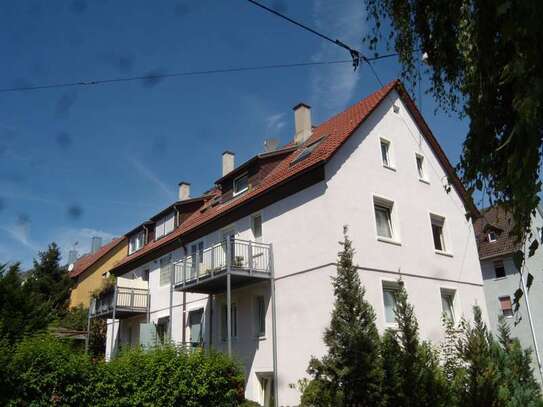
260,315
420,166
499,269
383,218
506,306
438,223
256,226
389,298
385,153
162,329
165,270
491,237
447,304
164,226
136,242
224,322
241,184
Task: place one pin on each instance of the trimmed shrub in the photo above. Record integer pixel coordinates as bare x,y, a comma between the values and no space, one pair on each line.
45,371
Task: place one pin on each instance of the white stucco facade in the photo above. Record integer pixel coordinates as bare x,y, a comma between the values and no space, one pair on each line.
305,228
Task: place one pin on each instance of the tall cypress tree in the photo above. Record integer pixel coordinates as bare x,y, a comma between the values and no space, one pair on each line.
351,373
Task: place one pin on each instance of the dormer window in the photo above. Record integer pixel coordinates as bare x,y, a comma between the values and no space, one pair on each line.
492,237
136,242
164,226
241,184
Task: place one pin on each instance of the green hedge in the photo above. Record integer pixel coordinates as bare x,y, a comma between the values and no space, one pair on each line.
45,371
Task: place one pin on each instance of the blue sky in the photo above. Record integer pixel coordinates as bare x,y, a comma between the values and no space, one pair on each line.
98,160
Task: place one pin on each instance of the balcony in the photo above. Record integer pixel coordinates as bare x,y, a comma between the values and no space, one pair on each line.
206,272
127,298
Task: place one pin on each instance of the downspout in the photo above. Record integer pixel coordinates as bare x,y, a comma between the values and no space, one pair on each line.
184,322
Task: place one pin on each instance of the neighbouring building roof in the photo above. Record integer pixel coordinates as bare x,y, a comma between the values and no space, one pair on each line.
84,262
330,136
497,220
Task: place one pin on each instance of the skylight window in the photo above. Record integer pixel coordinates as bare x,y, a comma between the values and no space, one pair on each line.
306,152
241,184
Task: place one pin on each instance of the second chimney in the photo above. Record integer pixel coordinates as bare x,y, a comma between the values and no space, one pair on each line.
302,122
184,190
227,162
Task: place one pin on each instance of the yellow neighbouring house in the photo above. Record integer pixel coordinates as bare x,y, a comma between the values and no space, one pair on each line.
89,271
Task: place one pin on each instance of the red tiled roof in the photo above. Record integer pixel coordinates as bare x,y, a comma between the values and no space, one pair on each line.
84,262
500,221
332,133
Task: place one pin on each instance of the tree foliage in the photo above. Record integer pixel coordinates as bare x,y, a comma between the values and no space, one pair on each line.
484,60
49,280
401,370
22,312
46,371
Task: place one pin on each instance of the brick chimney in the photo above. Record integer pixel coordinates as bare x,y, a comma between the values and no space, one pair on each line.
302,122
184,190
227,162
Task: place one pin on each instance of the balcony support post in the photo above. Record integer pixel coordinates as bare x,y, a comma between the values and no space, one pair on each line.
274,329
88,328
170,322
250,255
229,312
113,338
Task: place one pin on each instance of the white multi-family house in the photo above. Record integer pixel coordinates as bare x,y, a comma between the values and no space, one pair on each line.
246,268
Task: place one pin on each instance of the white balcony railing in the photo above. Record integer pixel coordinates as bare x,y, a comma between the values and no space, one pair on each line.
123,299
232,254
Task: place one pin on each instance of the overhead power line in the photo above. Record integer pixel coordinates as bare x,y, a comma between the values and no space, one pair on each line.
151,77
356,55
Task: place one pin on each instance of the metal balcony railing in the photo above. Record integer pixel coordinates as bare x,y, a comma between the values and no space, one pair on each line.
233,254
122,299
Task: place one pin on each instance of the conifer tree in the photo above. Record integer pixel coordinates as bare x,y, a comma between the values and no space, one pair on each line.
351,374
420,379
49,280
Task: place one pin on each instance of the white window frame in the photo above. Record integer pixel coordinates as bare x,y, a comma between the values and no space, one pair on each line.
161,224
490,240
256,316
253,217
138,237
445,241
389,155
393,221
389,285
446,291
164,283
236,193
421,174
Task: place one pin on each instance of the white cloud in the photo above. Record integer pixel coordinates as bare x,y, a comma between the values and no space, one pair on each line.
157,182
275,122
333,86
20,233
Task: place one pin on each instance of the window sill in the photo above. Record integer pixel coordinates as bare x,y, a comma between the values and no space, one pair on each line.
388,240
234,194
500,278
424,181
442,253
388,167
259,338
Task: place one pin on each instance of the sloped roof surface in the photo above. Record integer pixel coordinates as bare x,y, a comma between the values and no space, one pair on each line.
84,262
501,222
331,134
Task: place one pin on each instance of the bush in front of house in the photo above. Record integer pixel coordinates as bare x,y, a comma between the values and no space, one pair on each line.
45,371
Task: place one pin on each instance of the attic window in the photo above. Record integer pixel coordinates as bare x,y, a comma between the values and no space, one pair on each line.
306,152
241,184
492,237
